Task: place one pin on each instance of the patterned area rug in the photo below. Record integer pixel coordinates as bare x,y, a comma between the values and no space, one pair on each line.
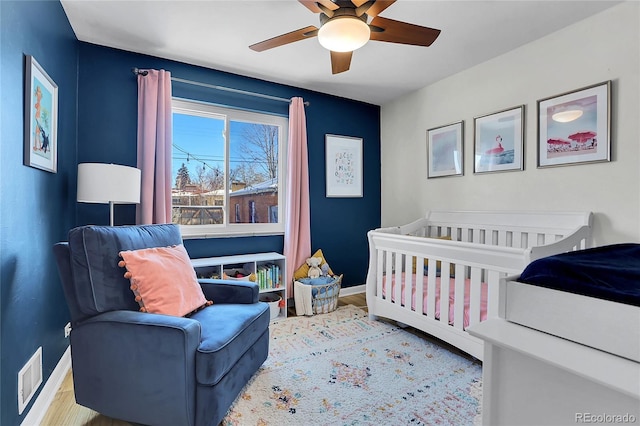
343,369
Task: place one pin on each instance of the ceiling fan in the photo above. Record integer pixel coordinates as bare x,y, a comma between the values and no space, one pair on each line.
344,27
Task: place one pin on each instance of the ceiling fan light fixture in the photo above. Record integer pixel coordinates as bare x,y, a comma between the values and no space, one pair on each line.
344,34
567,115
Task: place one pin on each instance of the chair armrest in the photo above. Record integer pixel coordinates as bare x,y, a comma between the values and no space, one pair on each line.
144,362
140,332
227,291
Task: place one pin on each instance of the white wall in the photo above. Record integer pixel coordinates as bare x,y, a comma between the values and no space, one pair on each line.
603,47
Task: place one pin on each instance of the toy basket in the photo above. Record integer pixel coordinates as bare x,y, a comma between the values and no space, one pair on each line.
316,299
325,297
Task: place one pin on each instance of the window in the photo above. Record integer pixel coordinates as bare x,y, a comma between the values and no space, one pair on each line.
252,212
228,170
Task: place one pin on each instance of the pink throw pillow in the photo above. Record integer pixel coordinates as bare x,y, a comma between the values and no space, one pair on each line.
163,280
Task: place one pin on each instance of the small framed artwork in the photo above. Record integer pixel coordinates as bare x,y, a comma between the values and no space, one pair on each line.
41,118
444,150
575,127
499,141
343,166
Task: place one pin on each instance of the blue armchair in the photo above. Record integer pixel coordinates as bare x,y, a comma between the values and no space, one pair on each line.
149,368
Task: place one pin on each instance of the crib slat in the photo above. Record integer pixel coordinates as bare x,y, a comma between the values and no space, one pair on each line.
475,287
444,293
408,280
477,236
397,291
516,239
388,274
458,314
502,238
493,280
379,270
431,289
419,275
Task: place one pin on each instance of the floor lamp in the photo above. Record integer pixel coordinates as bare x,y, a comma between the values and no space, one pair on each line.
108,184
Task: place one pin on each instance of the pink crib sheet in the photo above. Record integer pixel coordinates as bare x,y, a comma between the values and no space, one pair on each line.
467,297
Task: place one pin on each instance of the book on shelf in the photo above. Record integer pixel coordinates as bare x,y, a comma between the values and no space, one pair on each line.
268,276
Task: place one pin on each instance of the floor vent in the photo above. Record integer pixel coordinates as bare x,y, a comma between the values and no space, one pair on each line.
29,379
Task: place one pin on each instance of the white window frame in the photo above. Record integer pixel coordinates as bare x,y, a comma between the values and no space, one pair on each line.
203,109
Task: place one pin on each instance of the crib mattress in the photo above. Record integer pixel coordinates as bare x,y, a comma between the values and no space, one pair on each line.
416,278
589,297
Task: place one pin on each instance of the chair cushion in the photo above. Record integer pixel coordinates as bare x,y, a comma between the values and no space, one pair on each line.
99,283
163,280
227,332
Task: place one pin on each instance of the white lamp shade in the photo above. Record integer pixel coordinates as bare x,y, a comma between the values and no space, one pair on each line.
108,183
344,34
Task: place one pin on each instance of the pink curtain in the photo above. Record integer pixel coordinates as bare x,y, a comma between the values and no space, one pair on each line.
154,146
297,235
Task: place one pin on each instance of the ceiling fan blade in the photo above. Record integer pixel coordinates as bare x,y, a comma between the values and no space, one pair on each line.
340,61
293,36
326,11
373,8
403,32
358,3
329,4
312,5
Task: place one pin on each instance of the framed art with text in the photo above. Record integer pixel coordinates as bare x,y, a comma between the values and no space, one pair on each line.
343,166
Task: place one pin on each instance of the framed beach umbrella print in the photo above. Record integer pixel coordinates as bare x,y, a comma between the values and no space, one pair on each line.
41,118
575,127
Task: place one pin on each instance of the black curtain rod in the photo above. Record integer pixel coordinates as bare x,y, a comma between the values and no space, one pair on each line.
137,71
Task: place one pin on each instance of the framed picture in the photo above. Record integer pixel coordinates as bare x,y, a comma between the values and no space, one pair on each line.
575,127
41,118
499,141
343,166
444,150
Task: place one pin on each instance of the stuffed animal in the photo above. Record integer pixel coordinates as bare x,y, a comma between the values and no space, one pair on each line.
325,269
314,267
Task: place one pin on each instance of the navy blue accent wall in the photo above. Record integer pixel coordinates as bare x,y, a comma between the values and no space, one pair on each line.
97,122
107,122
37,207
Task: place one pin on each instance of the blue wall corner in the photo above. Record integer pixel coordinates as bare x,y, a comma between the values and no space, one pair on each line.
97,122
38,207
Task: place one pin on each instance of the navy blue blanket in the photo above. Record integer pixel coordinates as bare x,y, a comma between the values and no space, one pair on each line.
608,272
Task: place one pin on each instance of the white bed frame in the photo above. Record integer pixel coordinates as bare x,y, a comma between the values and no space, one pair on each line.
485,247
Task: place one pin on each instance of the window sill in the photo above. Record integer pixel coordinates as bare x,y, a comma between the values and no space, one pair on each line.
188,234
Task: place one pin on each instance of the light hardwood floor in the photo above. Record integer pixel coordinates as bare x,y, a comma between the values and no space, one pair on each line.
65,412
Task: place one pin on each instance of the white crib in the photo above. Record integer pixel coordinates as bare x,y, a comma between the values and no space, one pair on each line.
484,247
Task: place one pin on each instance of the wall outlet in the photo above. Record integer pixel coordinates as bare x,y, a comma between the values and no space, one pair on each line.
67,330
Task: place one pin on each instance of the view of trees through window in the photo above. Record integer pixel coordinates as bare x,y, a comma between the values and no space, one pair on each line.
225,166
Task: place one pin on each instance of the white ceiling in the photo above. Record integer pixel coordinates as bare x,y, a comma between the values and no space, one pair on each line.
216,34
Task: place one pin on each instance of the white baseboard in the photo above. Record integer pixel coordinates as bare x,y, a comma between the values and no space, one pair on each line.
356,289
43,401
